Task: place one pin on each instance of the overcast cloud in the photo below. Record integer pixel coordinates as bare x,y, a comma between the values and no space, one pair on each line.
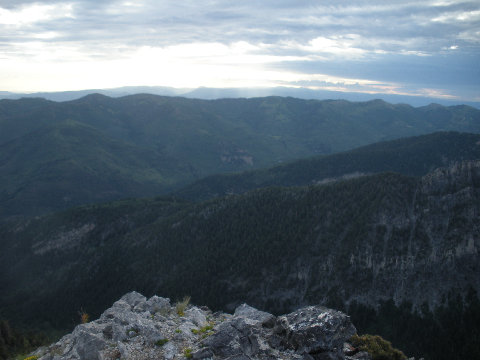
425,48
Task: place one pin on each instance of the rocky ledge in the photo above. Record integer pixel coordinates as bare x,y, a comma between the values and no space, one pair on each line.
137,328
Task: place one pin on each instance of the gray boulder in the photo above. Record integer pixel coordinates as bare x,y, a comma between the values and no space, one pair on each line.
133,298
197,316
314,330
234,338
253,314
158,304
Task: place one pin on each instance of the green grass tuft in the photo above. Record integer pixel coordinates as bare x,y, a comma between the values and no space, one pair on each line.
187,352
181,306
161,342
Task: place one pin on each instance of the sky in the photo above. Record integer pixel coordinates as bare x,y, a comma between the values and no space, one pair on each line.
428,48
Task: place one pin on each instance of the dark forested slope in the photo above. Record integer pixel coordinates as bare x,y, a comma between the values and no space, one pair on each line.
366,239
414,156
351,244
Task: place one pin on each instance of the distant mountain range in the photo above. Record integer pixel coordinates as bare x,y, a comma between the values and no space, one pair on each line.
94,149
219,93
115,92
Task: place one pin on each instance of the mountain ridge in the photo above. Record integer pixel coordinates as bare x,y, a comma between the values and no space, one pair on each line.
413,156
185,140
217,93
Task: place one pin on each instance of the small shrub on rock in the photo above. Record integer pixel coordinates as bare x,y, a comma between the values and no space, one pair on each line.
161,342
377,347
204,331
84,317
187,352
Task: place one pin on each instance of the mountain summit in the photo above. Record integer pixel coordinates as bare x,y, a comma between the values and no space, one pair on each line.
137,328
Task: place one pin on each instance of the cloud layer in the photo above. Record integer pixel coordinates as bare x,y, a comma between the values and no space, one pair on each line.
406,47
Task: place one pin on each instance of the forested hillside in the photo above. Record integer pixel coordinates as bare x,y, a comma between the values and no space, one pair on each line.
414,156
351,244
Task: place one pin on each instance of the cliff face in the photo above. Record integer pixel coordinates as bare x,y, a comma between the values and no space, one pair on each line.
438,238
417,246
137,328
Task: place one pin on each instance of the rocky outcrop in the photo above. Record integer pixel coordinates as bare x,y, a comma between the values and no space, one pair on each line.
137,328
